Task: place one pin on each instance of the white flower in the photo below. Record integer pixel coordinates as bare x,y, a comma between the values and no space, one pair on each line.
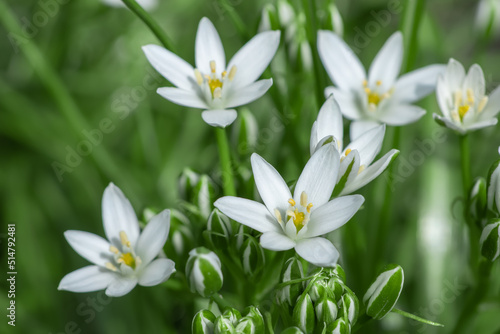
296,221
462,99
356,168
146,4
380,97
127,258
212,85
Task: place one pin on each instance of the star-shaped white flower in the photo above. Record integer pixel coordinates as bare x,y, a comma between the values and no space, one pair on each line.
212,85
296,221
127,258
356,168
462,99
380,97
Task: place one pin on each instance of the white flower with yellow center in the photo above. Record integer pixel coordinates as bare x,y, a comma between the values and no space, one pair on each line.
213,85
356,160
462,100
296,221
127,258
380,97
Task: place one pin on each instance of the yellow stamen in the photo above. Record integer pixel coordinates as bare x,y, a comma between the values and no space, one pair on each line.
462,110
127,259
303,199
379,82
224,74
309,206
212,66
111,266
114,250
277,214
365,83
361,168
482,104
470,96
374,98
298,219
198,76
291,201
347,152
124,239
232,73
367,90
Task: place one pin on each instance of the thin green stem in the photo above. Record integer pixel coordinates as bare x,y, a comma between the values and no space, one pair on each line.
465,163
414,12
152,24
225,162
269,322
222,303
235,18
414,317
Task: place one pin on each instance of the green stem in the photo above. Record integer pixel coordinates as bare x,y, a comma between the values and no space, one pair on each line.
465,163
225,162
269,322
363,319
412,17
414,317
235,18
222,303
152,24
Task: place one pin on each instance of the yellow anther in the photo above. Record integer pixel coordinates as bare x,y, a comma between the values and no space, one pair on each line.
470,96
303,199
124,239
462,110
224,74
298,219
111,266
482,104
309,206
232,73
379,82
347,152
367,90
365,83
374,98
361,168
290,214
291,201
198,76
127,259
458,98
114,250
212,66
138,261
277,214
217,92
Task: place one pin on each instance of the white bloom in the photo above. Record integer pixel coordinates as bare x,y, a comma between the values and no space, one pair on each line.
462,99
355,159
127,258
212,85
146,4
380,97
296,221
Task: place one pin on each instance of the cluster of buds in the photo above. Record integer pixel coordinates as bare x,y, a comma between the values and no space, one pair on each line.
230,321
198,192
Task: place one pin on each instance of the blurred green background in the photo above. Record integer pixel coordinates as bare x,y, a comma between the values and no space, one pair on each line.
81,64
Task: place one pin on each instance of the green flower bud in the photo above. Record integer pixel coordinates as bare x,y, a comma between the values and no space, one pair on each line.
338,271
224,326
339,326
245,132
252,256
335,21
203,322
204,196
493,188
187,182
292,330
384,292
203,270
253,314
303,314
292,270
180,238
240,237
336,285
477,200
232,315
219,230
319,289
490,241
326,310
349,307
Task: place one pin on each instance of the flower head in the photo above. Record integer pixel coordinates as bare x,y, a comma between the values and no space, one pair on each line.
296,221
127,258
356,159
213,85
380,96
462,100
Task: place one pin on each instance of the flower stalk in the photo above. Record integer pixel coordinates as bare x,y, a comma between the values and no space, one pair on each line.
225,162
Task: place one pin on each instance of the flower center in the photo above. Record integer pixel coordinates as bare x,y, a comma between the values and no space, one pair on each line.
215,82
375,96
463,106
126,256
299,214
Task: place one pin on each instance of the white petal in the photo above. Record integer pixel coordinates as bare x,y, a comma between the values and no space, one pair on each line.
333,215
454,75
448,123
157,272
187,98
89,246
417,84
330,120
272,188
368,144
370,173
348,101
118,215
475,81
169,65
482,124
87,279
401,114
220,118
314,140
493,106
153,237
121,286
319,176
208,47
254,57
344,166
359,128
247,212
276,241
341,64
249,93
318,251
387,63
443,96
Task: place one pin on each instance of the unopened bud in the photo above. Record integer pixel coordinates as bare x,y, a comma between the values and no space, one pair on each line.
219,230
326,310
252,256
490,241
203,322
204,196
203,270
383,294
292,270
339,326
303,314
187,182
